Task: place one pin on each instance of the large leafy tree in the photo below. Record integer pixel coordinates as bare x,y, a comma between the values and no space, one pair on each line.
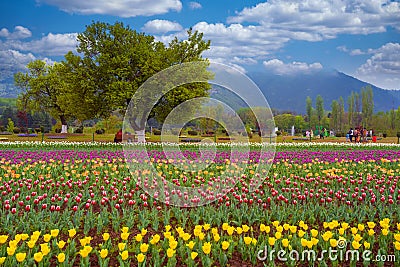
43,90
114,61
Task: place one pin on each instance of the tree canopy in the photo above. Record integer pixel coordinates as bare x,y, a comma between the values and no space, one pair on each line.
112,62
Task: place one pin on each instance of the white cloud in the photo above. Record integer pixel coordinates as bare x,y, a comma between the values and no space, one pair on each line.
48,45
19,32
244,61
383,67
194,5
16,53
12,61
315,20
4,32
161,26
279,67
352,52
121,8
238,40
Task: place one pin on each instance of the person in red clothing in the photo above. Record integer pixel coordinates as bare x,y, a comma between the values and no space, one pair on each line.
118,136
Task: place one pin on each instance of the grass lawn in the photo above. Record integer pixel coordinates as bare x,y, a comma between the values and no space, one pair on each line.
88,137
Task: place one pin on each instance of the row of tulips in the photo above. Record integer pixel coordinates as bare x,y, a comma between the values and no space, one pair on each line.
203,244
328,146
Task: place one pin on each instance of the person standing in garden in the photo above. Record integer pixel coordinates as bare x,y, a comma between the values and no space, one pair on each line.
118,136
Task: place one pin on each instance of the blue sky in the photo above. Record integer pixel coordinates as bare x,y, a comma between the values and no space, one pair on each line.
358,37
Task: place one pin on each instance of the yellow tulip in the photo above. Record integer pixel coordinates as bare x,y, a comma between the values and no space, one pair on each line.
217,237
333,242
230,230
278,235
206,227
38,256
357,237
239,230
214,230
170,252
31,243
61,244
103,253
285,242
371,232
20,256
121,246
11,251
124,236
61,257
106,236
143,232
275,223
206,248
201,236
140,257
190,245
125,229
271,241
301,233
3,239
83,253
54,232
144,247
173,244
186,236
304,242
44,248
71,233
355,245
124,255
247,240
354,230
371,225
225,226
397,237
286,226
314,233
345,225
24,237
193,255
47,237
397,245
367,245
167,234
167,228
154,240
385,232
138,237
2,260
279,228
225,245
245,228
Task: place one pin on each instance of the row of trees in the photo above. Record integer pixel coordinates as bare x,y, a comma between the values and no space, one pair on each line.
112,62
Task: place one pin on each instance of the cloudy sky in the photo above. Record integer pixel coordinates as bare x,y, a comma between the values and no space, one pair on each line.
358,37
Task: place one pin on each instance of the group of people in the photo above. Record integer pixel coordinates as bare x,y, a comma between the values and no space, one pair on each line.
359,134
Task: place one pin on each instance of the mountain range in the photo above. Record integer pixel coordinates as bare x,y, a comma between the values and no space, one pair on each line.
289,92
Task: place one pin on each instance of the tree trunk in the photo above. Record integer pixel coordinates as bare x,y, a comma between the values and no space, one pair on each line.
140,136
64,128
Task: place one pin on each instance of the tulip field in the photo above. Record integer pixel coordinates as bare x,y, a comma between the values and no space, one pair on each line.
78,204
